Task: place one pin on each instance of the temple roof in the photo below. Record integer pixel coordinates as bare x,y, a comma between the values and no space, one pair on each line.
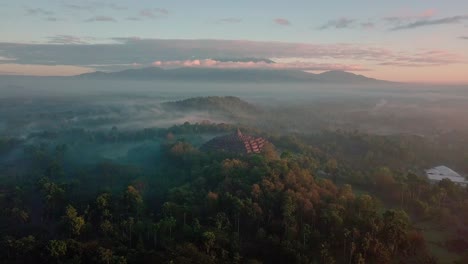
236,143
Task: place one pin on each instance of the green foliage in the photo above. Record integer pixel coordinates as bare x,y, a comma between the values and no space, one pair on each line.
196,207
209,239
57,248
227,105
74,223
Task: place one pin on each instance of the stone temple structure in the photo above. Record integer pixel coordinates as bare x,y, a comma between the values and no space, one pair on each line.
235,143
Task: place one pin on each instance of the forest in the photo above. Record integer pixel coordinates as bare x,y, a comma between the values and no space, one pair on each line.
326,197
239,132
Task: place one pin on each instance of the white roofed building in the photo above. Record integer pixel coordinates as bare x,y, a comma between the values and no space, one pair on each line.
439,173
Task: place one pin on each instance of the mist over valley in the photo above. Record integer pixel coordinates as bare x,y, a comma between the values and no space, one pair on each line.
206,132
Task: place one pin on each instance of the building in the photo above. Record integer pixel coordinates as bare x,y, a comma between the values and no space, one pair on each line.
235,143
439,173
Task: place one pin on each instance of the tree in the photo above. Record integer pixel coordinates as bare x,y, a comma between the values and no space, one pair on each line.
19,215
189,253
384,180
128,229
73,222
105,255
288,209
57,248
107,228
208,241
168,223
269,151
132,200
394,232
53,195
325,255
366,206
286,155
20,249
103,201
155,227
331,167
181,149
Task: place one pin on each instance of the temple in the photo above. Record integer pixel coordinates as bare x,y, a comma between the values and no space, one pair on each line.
235,143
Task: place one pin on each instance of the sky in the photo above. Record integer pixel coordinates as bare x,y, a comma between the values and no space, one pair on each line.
410,41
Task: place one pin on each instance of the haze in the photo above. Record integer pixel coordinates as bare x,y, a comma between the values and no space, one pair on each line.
411,41
234,132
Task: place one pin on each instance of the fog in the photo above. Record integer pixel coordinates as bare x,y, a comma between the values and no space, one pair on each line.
32,104
79,139
126,122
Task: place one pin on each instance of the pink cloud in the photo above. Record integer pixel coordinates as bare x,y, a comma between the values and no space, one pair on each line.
282,21
42,70
428,13
297,65
408,16
425,58
154,12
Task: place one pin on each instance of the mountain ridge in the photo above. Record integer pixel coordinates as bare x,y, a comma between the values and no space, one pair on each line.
243,75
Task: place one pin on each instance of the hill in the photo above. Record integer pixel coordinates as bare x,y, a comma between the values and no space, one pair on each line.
230,105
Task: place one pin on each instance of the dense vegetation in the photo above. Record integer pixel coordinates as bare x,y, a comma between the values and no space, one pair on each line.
230,106
331,197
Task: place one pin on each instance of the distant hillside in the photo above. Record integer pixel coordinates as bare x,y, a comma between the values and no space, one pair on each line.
245,60
230,75
231,105
344,77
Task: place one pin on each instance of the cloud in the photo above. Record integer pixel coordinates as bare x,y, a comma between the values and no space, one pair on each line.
149,13
431,22
425,59
282,22
66,39
80,7
52,19
404,18
133,18
42,70
297,65
367,25
370,23
101,19
208,48
39,11
94,5
463,37
428,13
6,59
154,13
339,23
117,7
147,51
229,20
46,14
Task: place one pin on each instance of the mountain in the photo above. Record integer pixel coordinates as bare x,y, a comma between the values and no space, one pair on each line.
248,59
202,74
230,75
344,77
